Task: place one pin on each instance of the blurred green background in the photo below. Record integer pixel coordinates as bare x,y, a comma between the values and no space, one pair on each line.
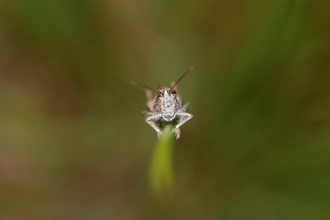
73,143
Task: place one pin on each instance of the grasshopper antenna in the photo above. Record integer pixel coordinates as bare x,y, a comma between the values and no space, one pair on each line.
144,86
190,69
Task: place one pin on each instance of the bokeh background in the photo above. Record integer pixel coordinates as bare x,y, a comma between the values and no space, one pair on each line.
73,143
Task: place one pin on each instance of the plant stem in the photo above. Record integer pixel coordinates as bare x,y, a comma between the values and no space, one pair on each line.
161,174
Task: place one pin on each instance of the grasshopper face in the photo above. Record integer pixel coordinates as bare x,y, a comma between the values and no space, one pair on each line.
166,103
166,107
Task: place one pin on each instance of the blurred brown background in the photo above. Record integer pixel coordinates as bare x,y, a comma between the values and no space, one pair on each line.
73,143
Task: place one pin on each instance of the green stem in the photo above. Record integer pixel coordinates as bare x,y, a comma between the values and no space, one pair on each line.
161,174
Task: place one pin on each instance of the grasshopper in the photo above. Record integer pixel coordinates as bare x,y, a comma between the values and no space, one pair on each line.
166,107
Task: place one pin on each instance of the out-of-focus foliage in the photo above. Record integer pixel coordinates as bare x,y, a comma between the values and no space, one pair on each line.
73,144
